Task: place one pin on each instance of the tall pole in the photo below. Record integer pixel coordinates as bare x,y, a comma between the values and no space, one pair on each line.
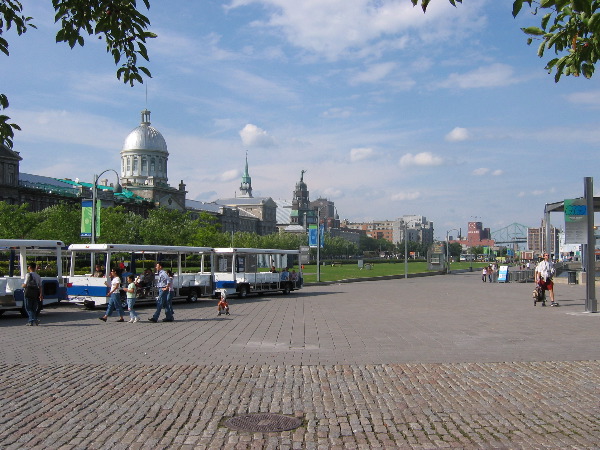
447,253
318,245
405,250
591,304
94,195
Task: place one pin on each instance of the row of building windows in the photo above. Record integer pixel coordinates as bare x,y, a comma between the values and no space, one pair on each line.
143,166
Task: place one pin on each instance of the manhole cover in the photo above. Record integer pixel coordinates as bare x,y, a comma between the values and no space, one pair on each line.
264,423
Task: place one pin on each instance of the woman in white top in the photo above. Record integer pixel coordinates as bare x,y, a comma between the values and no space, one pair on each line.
115,297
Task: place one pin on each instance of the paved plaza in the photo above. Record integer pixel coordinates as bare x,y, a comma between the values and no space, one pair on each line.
436,362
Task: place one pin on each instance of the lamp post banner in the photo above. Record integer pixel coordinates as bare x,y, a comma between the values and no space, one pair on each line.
575,221
312,236
98,209
86,218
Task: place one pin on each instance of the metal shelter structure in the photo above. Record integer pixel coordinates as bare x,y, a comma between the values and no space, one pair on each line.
593,204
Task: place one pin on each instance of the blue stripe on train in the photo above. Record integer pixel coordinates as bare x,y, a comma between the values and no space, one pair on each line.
226,284
88,291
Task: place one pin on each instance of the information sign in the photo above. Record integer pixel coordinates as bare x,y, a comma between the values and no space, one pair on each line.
503,274
575,221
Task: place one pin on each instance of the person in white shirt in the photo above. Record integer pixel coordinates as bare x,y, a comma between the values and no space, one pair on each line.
544,272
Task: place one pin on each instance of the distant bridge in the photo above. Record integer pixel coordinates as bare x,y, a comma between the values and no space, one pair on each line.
515,233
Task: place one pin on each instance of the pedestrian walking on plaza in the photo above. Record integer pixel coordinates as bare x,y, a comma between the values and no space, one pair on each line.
33,294
162,284
484,274
114,301
171,293
131,289
544,272
490,271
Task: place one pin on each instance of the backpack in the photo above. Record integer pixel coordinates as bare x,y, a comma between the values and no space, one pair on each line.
32,290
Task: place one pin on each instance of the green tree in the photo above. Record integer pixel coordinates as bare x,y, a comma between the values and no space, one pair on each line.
168,227
455,249
119,22
59,222
16,222
476,250
208,232
118,226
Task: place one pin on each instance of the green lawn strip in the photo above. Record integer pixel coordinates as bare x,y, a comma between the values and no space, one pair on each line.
345,271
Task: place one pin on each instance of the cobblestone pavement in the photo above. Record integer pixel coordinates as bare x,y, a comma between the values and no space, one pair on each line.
439,362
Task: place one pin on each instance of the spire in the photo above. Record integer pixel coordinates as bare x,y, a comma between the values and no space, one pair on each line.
145,117
246,186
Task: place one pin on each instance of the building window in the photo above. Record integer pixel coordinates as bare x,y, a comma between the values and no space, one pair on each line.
11,175
135,165
152,166
144,166
128,165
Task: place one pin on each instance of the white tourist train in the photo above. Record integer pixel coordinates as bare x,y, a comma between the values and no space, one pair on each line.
198,271
17,253
243,271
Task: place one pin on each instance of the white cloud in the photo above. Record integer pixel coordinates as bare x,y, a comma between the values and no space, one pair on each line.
334,28
494,75
252,136
421,159
589,98
373,74
337,113
458,134
359,154
481,171
230,175
408,195
497,172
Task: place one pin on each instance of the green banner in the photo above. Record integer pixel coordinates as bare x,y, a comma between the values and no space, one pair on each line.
86,218
98,209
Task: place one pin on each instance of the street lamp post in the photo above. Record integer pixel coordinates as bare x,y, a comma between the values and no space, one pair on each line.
448,249
405,250
117,190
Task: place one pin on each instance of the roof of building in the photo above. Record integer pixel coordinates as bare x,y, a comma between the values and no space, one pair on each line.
284,211
243,201
202,206
145,137
124,194
6,152
48,184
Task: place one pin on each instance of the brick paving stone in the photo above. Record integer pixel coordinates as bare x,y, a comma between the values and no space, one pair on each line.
432,372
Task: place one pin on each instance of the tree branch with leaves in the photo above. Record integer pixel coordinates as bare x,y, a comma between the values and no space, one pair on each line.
119,22
567,27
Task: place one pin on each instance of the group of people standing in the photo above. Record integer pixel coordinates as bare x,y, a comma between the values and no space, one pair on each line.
164,284
487,274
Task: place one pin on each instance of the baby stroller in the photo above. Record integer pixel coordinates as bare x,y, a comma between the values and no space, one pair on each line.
539,295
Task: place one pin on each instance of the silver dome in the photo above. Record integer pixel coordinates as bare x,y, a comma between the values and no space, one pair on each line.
145,137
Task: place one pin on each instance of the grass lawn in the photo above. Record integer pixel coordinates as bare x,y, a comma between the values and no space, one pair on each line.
345,271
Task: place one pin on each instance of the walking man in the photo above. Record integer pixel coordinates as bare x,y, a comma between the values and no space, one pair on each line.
33,294
162,284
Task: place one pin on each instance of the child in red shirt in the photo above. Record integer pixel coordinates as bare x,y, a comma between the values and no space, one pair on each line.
223,305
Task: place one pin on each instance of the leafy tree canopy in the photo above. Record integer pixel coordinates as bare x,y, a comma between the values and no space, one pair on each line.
569,28
15,221
119,22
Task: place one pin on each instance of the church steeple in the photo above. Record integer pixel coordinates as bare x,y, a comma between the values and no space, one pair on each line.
246,186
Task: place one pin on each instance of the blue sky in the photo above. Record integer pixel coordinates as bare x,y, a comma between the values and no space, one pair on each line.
390,111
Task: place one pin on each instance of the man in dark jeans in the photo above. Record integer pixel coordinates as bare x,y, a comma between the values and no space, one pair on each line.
33,294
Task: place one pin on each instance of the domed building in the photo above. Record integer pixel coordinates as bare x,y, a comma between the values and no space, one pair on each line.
144,159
